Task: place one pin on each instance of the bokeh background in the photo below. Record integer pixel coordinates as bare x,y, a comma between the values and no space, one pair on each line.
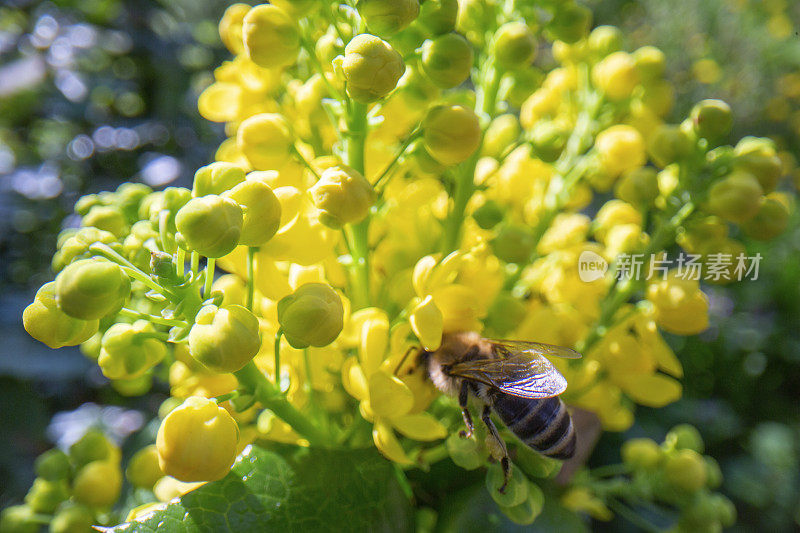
97,92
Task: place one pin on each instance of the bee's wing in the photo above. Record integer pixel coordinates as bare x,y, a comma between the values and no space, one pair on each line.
506,347
523,374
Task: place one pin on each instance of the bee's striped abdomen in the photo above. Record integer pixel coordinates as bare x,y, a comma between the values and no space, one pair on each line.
544,425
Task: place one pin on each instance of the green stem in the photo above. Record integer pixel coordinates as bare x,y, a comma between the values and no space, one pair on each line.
252,380
210,264
305,162
136,315
195,264
225,397
130,269
180,261
411,138
278,358
251,269
355,146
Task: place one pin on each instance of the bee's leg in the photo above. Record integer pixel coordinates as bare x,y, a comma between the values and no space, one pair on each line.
486,416
463,398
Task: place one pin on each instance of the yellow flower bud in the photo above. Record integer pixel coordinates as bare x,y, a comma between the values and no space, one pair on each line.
297,8
615,213
311,316
758,156
261,211
621,148
447,60
98,484
736,198
197,441
605,40
452,133
343,196
216,178
266,141
45,322
712,119
681,307
210,225
684,437
45,496
143,469
371,68
616,76
91,288
129,350
271,37
224,339
641,453
501,133
230,27
669,144
770,221
514,46
650,62
387,17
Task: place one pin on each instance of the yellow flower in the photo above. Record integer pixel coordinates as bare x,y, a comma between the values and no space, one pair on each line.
616,75
681,307
621,148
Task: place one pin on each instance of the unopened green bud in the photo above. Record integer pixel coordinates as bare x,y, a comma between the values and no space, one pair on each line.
685,470
143,470
516,490
514,46
311,316
526,512
387,17
736,198
501,134
72,518
605,40
45,496
466,453
343,196
669,144
488,215
452,133
758,156
47,323
698,232
93,446
438,16
163,267
638,187
210,225
447,60
92,288
19,519
107,218
641,453
52,465
650,62
216,178
371,68
684,437
548,139
514,244
271,37
98,484
712,119
224,339
130,350
261,211
771,220
77,243
129,198
570,23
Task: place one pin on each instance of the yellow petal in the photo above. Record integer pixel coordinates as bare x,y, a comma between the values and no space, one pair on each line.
220,102
387,443
389,396
655,390
353,379
428,324
300,275
447,270
422,272
422,426
269,280
374,342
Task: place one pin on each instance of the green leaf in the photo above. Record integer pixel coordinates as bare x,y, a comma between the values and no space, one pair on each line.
290,489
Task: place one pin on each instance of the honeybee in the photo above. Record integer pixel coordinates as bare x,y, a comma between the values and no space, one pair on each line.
514,379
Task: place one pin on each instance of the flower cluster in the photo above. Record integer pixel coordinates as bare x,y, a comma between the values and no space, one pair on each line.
395,172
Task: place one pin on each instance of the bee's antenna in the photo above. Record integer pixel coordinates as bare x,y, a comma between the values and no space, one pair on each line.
403,360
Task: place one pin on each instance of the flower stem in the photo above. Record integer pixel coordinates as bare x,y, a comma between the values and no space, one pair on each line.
355,145
252,380
278,358
136,315
130,269
210,264
251,284
195,264
305,162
